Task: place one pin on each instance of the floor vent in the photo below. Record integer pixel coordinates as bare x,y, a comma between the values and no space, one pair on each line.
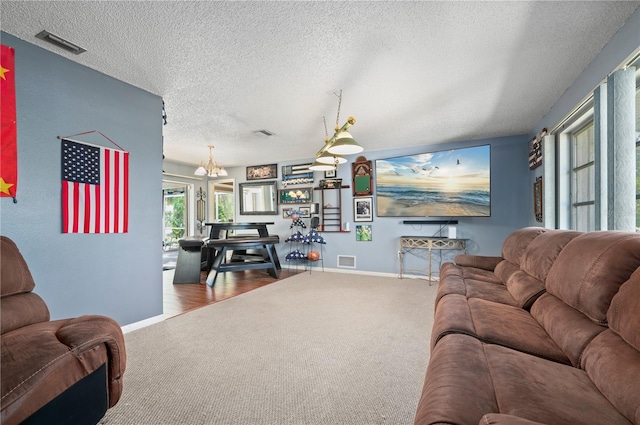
347,261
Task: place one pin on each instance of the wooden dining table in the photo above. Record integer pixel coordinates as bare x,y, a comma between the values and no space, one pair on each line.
220,242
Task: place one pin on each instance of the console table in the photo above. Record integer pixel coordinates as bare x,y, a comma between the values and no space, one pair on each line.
410,243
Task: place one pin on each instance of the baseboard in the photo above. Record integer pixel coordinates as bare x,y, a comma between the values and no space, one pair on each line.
142,324
364,272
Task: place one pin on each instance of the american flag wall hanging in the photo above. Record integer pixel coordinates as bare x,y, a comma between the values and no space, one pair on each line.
95,189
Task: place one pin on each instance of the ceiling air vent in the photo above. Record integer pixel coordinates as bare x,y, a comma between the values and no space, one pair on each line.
263,132
60,42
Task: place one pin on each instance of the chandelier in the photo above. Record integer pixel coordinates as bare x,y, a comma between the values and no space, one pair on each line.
341,143
212,169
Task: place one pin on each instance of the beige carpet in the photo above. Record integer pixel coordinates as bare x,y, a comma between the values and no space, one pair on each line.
320,348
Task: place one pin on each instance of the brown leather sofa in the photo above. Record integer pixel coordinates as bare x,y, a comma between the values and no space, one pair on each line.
53,372
547,333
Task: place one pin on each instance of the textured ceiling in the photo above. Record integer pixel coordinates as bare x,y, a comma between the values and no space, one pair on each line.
412,73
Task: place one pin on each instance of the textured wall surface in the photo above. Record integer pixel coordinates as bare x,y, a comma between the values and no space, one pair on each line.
118,275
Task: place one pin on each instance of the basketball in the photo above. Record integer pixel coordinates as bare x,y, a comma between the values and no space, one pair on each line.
313,255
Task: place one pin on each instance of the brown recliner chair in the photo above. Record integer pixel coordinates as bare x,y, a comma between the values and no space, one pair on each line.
65,371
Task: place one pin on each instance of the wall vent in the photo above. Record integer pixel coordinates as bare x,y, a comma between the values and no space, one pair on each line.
60,42
264,132
347,261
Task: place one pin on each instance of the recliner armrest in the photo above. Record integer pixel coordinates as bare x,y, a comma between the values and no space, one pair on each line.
87,331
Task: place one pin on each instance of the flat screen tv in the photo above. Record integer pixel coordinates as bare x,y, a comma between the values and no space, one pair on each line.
451,183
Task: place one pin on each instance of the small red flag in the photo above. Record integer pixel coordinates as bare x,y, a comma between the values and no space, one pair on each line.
8,133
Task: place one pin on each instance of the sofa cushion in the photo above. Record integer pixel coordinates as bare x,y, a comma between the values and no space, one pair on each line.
612,359
21,310
590,269
515,245
14,273
624,313
458,388
494,323
467,379
552,393
569,328
543,251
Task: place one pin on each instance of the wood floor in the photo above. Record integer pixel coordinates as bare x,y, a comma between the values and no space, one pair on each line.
180,298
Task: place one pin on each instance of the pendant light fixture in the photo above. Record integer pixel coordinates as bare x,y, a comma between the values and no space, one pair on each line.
212,169
342,143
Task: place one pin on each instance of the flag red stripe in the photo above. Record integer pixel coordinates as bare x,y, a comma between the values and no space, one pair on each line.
65,206
116,192
107,189
87,208
126,193
96,189
76,202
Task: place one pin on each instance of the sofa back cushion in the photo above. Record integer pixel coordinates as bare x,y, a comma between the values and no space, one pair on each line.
543,251
18,305
612,359
590,269
15,277
515,245
513,249
22,310
624,314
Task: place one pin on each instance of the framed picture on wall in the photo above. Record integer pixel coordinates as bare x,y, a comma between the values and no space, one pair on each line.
364,233
260,172
363,209
298,195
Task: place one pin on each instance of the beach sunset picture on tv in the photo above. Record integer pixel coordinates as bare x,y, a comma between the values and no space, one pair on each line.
451,183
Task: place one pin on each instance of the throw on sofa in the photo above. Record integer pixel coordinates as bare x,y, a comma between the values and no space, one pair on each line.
55,372
548,333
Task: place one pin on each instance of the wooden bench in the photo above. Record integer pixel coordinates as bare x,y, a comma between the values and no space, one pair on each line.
267,260
191,260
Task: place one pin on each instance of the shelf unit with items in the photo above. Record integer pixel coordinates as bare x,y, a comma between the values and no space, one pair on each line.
331,208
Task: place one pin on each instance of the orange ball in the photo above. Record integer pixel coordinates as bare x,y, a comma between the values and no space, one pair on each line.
313,255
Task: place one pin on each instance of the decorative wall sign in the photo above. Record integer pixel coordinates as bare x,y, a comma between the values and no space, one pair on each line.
362,177
260,172
296,174
535,153
537,199
303,195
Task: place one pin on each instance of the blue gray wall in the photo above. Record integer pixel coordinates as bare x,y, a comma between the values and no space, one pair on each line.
509,211
118,275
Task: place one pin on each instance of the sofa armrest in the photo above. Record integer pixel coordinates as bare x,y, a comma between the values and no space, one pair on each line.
85,332
478,261
501,419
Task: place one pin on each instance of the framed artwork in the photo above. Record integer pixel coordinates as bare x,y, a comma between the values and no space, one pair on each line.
362,177
330,174
299,195
261,172
537,199
363,209
305,212
364,233
297,174
535,153
302,212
